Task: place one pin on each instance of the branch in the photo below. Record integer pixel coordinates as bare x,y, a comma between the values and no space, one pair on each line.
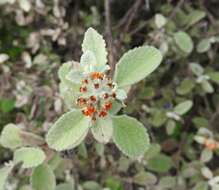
109,38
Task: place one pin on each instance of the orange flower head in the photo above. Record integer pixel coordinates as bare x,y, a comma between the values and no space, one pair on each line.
83,89
102,113
89,111
81,101
211,144
93,98
97,75
108,106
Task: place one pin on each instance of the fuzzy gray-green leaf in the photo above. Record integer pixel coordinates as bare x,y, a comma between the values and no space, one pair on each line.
68,131
4,172
29,157
94,42
136,64
43,178
103,130
184,41
10,137
130,136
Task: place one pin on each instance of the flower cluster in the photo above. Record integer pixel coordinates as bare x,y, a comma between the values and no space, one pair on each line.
97,92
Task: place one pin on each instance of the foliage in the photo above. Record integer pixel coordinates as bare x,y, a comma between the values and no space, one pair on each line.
159,127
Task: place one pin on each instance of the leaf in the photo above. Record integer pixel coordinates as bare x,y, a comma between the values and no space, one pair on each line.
195,16
7,105
160,20
200,122
130,136
91,185
145,178
68,131
159,118
160,163
136,64
186,86
4,172
207,87
13,137
103,130
64,186
167,182
201,186
153,150
43,178
30,157
95,43
183,107
184,41
64,69
196,69
10,137
206,172
88,58
25,5
206,155
204,45
214,76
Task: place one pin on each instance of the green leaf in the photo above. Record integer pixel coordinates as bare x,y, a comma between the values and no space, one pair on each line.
197,69
4,172
103,130
206,155
94,42
64,186
43,178
183,107
7,105
64,69
153,150
200,122
186,86
195,16
159,118
136,64
201,186
88,58
10,137
167,182
214,76
208,88
145,178
183,41
204,45
130,136
13,137
160,163
30,157
91,185
160,20
68,131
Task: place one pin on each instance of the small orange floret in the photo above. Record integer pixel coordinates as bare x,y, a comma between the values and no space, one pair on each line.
106,95
85,81
83,89
97,75
102,113
96,86
211,144
93,98
89,111
108,106
81,101
114,95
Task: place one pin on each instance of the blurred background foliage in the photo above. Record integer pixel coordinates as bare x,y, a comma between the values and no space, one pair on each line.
178,103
